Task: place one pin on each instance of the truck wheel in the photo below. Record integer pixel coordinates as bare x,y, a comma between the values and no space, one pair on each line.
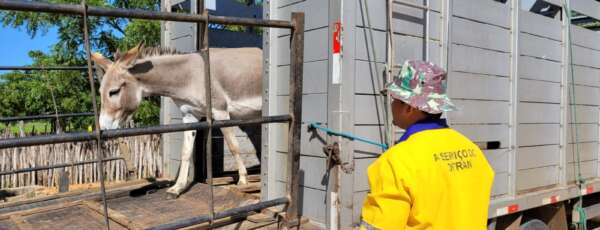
534,225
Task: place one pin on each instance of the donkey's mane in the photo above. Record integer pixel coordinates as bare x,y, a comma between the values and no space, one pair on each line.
158,51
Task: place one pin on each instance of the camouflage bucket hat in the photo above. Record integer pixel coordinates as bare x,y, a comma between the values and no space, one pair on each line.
422,85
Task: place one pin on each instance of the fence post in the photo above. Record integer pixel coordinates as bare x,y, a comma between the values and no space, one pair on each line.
296,72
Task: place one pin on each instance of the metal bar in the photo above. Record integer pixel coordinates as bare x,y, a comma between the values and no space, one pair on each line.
45,116
412,5
389,127
135,13
244,210
293,159
116,133
30,68
99,152
427,28
24,170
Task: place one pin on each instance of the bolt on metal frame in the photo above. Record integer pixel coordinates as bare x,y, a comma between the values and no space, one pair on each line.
294,118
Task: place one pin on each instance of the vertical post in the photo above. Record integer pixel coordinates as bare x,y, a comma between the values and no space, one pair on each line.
514,99
389,127
100,156
296,72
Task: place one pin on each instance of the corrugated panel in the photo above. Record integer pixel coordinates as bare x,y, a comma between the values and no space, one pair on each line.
538,91
584,114
588,7
361,180
540,25
313,204
314,108
408,47
312,170
316,51
280,172
185,43
537,134
538,113
475,60
314,80
587,151
485,133
585,37
586,76
479,112
488,87
498,159
585,133
539,47
376,10
588,170
316,14
500,186
366,78
435,5
369,109
585,95
358,201
411,21
180,29
586,57
539,69
481,35
538,177
374,133
491,12
364,50
537,156
312,142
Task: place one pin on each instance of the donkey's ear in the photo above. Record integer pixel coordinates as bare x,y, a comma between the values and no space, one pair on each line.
101,60
131,55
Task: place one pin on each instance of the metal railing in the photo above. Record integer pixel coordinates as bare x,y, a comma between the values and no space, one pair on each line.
294,118
44,117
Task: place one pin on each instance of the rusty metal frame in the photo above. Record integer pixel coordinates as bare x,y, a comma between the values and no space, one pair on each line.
294,118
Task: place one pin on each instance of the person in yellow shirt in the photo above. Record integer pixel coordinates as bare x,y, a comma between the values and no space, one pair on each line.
434,177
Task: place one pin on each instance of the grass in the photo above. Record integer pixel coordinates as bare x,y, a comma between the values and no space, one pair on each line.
29,127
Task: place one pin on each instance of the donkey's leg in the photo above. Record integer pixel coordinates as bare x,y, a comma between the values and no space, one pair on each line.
186,169
233,144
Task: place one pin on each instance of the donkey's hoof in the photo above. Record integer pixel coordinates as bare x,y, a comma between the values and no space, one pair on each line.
172,196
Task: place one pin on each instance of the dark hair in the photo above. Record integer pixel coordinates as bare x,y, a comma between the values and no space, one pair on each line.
430,116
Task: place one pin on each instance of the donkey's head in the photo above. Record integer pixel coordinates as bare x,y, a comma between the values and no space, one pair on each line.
120,91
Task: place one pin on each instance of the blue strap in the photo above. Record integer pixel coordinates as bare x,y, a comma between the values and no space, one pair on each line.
350,136
422,126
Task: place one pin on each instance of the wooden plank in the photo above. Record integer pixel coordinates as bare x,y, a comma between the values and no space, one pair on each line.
498,159
586,57
374,133
539,47
585,95
411,21
586,76
588,170
480,35
491,12
537,177
367,80
539,69
314,82
487,87
530,23
537,156
408,47
585,133
500,185
231,180
538,113
585,37
584,114
587,7
484,133
368,109
113,215
537,134
587,151
538,91
479,112
475,60
361,182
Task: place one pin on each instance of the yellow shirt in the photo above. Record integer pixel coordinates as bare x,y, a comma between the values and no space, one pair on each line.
436,179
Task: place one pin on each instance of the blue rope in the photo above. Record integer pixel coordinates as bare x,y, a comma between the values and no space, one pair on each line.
350,136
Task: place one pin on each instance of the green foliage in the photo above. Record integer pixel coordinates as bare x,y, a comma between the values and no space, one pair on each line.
30,93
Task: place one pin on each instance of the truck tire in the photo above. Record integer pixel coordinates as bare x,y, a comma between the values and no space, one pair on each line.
534,224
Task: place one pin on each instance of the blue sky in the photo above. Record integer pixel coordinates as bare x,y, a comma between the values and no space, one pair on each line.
16,43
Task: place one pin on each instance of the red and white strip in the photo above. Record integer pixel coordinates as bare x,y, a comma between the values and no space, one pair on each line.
551,200
507,210
589,189
337,56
